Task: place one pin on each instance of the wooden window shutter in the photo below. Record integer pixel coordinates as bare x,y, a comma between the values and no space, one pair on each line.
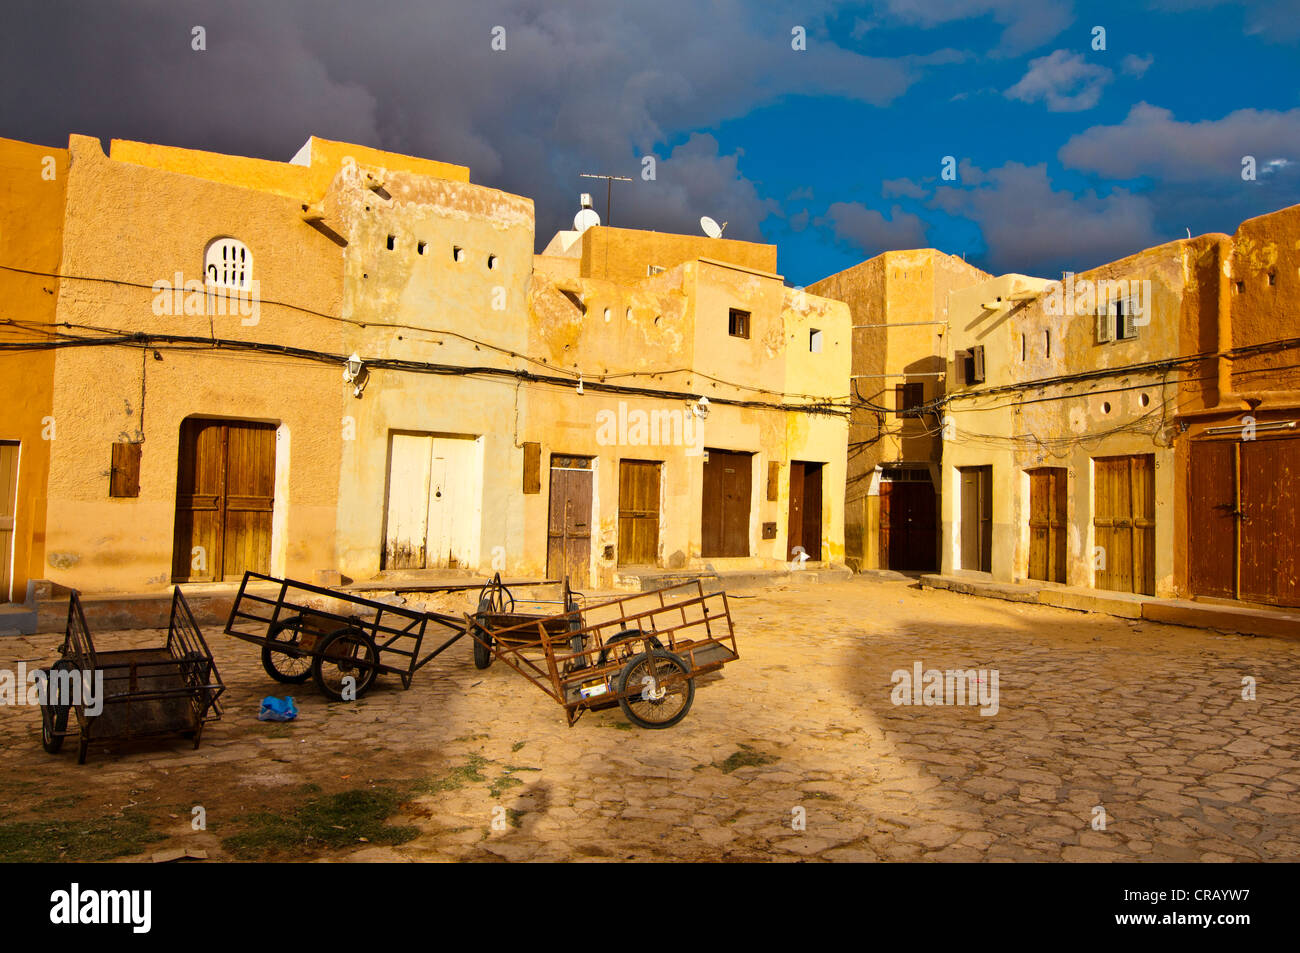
532,468
124,474
900,398
773,479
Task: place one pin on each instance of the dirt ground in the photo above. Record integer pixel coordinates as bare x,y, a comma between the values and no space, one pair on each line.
796,751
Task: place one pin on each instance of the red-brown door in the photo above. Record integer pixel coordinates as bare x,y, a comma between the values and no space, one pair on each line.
907,528
1270,521
1212,519
725,518
225,493
804,527
568,533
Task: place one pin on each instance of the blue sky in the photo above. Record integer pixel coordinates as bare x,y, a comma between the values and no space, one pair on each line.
1068,156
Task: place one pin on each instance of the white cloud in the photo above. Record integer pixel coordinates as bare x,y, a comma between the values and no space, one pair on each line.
1134,65
1151,142
1065,81
870,231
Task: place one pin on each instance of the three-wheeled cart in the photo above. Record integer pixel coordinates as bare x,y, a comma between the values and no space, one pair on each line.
642,652
126,694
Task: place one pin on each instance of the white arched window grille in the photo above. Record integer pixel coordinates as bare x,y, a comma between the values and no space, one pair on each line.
228,264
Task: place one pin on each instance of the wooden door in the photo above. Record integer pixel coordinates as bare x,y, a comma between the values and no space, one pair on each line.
725,517
1124,521
1047,523
977,518
225,494
407,530
1270,521
433,502
8,515
907,525
1212,519
804,532
454,502
568,532
638,512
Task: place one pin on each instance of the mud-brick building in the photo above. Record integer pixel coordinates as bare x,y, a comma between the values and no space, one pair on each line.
1131,428
1239,422
33,184
354,363
899,303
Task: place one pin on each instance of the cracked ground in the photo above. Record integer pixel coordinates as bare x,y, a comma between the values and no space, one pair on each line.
1145,722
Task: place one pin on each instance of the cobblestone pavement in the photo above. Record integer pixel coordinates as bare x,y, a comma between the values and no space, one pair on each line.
1146,722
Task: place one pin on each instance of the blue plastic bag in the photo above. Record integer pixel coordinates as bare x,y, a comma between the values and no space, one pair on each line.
275,709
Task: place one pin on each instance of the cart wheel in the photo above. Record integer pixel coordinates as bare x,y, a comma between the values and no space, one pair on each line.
655,703
482,652
347,652
54,717
290,664
494,597
623,637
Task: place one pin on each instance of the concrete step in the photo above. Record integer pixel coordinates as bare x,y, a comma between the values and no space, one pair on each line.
17,619
645,580
1247,620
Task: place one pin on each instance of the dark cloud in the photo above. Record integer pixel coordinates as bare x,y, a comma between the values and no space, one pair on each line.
871,231
582,86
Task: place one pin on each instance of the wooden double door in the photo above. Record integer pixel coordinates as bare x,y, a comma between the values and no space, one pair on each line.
728,480
1048,502
1124,523
568,525
907,524
804,533
638,512
225,494
1244,520
434,502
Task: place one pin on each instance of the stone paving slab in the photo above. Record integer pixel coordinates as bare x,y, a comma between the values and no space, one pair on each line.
795,752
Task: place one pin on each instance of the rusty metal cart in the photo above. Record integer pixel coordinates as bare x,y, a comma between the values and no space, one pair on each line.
339,640
499,612
144,692
642,652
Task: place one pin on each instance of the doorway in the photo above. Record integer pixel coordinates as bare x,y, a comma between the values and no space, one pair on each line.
225,495
638,512
1047,523
805,526
976,518
8,515
568,530
434,500
1124,523
907,519
726,498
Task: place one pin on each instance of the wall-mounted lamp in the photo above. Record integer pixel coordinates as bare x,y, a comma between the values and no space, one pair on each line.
700,408
353,368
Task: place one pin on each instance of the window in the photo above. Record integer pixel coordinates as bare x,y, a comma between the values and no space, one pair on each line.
909,397
419,248
738,323
492,262
815,341
1125,329
1047,342
1024,348
124,472
392,242
1105,327
652,270
228,264
457,253
973,364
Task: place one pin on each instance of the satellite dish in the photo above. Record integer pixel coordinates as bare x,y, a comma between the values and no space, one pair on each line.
712,228
585,219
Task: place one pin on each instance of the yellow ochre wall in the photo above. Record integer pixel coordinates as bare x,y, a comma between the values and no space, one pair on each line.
33,186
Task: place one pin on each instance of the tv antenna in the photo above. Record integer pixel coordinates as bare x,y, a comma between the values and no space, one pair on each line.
712,228
609,189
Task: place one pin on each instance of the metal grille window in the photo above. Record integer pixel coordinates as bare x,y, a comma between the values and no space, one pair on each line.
228,264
